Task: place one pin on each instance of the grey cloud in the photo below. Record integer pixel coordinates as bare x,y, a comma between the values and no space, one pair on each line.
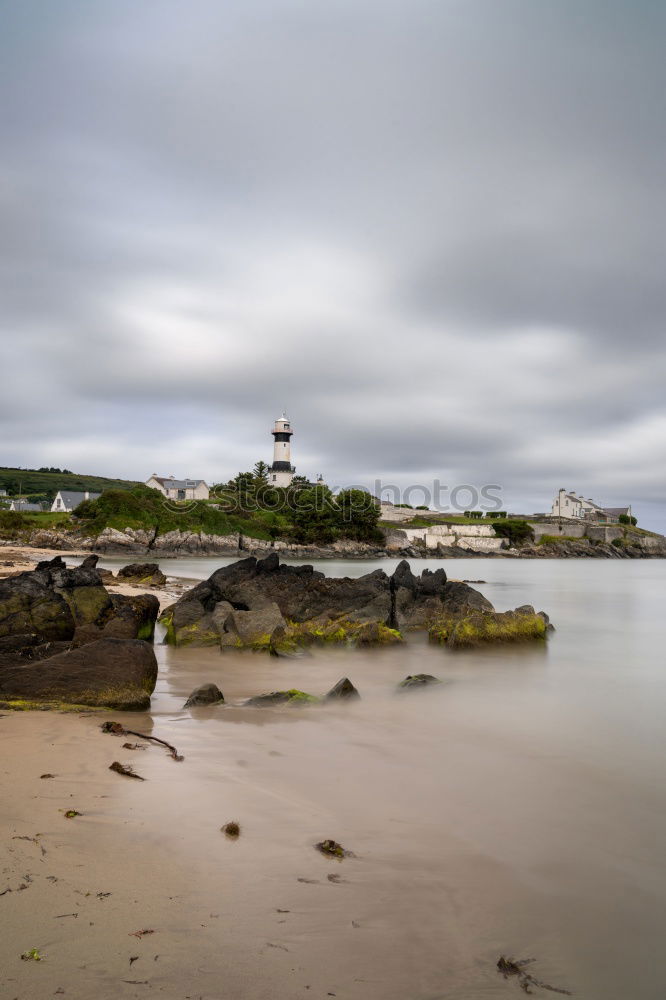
433,231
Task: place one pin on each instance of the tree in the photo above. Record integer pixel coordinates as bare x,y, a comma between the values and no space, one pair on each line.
358,514
314,515
260,471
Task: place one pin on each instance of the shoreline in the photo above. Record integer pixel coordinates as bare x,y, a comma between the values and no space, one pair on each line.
12,550
15,560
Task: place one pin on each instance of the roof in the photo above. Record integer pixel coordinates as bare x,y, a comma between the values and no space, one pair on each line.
177,484
616,511
72,498
24,505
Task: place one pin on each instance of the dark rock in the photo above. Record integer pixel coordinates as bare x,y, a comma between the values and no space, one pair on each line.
133,616
403,576
291,697
344,690
266,700
417,681
52,600
113,673
300,594
206,694
144,574
480,627
332,849
242,605
255,626
459,597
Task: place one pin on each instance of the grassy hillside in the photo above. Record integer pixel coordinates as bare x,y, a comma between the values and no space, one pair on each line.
35,482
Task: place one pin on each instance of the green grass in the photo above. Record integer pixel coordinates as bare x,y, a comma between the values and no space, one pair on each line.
33,482
48,520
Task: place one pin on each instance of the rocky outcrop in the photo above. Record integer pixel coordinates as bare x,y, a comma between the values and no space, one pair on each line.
55,611
142,575
263,604
51,601
131,617
444,541
109,673
478,628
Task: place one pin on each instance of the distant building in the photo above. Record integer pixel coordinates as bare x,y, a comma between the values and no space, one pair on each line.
568,505
68,500
24,506
3,493
281,472
179,489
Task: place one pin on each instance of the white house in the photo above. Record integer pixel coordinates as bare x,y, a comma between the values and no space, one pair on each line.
24,505
179,489
567,505
68,500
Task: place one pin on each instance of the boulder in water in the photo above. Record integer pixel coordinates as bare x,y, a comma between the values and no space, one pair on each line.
206,694
344,690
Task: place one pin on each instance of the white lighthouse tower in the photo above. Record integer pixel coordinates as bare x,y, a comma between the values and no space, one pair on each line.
281,471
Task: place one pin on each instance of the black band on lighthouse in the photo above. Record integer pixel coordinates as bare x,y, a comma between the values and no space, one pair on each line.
281,467
281,435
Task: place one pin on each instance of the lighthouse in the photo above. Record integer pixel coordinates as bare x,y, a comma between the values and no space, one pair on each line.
281,471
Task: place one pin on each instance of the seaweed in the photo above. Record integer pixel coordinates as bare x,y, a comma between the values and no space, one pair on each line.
508,967
125,769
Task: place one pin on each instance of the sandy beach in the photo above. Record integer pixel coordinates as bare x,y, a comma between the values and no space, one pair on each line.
516,809
264,917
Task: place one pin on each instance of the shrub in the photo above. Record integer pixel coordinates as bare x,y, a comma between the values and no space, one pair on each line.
515,530
12,522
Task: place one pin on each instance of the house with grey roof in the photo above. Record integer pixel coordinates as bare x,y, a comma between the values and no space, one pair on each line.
25,507
67,501
567,505
179,489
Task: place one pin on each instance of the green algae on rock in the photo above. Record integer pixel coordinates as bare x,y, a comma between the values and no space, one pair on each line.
480,628
291,697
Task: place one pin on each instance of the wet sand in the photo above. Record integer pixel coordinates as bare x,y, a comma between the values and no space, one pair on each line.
417,913
518,809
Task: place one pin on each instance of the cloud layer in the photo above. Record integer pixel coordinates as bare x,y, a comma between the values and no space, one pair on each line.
432,231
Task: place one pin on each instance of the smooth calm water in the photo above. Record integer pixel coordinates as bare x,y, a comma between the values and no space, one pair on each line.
518,809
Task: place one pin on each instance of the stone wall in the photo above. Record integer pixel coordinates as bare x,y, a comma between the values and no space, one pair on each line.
472,537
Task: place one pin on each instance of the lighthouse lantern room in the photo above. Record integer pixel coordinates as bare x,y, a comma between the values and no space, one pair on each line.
281,471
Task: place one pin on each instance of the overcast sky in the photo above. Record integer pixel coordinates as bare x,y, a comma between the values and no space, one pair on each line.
432,230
